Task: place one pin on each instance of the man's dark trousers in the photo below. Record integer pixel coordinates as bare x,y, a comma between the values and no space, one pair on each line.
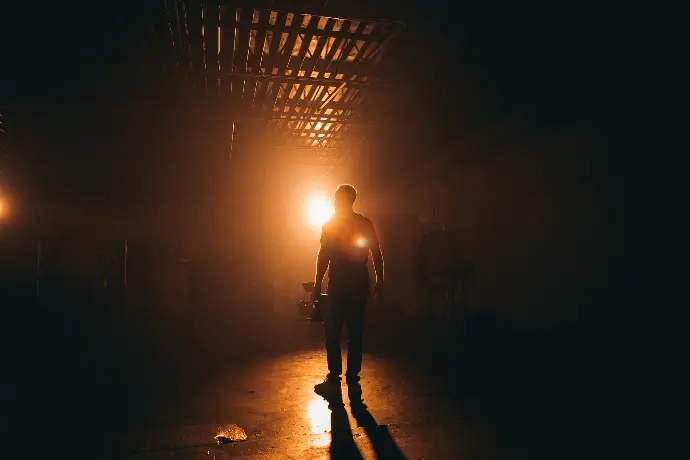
345,309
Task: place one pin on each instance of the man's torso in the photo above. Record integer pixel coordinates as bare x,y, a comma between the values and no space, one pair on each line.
348,239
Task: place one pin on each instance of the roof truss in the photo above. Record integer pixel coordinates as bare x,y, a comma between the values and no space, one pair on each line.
308,74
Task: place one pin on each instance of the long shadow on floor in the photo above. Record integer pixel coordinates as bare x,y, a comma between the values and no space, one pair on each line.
342,444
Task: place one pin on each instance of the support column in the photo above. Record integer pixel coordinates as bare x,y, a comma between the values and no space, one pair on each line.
231,236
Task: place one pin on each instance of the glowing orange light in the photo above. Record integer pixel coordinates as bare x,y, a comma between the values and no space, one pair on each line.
319,416
361,242
319,210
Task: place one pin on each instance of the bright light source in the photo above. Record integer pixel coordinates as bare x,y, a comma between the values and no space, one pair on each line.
319,210
361,242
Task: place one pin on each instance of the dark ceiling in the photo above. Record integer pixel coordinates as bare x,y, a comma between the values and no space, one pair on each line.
464,66
521,49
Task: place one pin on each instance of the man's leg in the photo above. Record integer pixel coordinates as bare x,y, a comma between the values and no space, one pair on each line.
355,333
334,320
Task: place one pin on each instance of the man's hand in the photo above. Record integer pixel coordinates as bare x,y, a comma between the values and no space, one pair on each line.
378,290
316,293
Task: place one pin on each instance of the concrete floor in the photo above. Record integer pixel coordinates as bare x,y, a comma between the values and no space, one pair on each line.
150,387
273,401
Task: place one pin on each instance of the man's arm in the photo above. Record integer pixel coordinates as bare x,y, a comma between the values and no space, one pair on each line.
322,262
377,255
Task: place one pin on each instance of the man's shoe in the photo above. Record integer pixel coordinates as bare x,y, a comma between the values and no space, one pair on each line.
328,387
354,394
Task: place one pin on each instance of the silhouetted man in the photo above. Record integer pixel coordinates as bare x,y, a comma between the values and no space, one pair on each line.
346,240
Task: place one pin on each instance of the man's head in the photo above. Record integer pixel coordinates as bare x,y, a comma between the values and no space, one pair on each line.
345,197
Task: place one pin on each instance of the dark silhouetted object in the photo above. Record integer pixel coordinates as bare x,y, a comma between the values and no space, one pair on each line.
440,269
310,307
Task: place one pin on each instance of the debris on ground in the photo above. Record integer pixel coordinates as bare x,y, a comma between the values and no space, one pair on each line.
230,433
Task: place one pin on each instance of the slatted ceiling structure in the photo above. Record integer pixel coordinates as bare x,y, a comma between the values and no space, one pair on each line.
308,74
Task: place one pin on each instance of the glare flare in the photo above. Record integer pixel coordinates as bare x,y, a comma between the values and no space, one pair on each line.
319,210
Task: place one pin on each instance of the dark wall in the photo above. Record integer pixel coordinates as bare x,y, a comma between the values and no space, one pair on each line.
542,220
399,235
513,134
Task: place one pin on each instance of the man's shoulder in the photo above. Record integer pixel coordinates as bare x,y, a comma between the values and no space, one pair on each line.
327,225
363,219
335,224
331,225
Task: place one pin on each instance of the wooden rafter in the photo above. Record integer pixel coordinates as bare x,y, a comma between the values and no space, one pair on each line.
298,70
